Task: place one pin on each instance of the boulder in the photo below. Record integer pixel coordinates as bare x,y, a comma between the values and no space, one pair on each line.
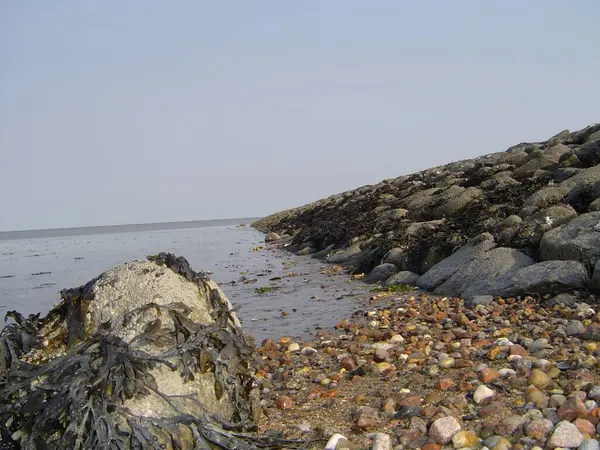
577,240
272,237
381,273
443,270
488,265
403,277
548,277
147,355
532,229
345,255
396,256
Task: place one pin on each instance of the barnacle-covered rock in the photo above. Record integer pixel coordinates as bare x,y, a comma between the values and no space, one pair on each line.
148,355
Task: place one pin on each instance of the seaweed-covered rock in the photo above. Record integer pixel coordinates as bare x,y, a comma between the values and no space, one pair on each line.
147,355
578,239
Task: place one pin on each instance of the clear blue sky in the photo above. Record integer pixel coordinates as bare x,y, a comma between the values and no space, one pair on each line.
141,111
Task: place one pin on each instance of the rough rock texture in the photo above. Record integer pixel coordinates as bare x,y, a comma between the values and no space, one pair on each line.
147,355
488,217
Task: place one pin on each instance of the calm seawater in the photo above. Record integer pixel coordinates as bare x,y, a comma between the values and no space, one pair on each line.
36,265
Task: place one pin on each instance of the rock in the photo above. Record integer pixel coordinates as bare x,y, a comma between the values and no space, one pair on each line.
479,300
487,375
403,277
443,270
285,402
589,444
346,255
548,277
365,417
135,331
591,333
339,442
539,429
595,282
570,409
482,394
565,435
465,439
443,430
381,273
395,256
578,240
485,265
585,427
380,355
381,441
511,425
539,379
272,237
574,328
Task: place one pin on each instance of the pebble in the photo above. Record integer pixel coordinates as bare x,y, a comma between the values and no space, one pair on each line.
464,439
539,429
589,444
539,379
483,393
339,442
565,435
293,347
381,441
443,429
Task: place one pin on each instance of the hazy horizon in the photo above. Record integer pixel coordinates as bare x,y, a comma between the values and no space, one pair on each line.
148,112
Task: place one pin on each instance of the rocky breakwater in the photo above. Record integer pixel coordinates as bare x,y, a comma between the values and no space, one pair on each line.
148,355
523,221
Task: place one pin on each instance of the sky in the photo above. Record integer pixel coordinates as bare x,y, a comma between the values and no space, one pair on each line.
144,111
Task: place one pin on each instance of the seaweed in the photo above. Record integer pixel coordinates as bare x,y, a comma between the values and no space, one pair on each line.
76,400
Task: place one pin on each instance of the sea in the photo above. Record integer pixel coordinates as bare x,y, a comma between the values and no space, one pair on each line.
36,265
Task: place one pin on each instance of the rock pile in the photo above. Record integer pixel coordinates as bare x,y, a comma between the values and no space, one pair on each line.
518,222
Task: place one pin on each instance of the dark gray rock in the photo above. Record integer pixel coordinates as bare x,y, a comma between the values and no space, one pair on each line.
345,255
577,240
443,270
396,256
595,283
381,273
403,277
488,265
564,298
548,277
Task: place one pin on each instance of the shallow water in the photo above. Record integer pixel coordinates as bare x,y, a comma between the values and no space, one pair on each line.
34,269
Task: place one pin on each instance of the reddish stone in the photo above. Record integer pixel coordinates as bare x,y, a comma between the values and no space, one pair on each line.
410,400
348,364
488,374
516,349
285,402
585,427
445,383
570,409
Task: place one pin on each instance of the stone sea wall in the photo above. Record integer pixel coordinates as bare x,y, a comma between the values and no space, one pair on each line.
521,221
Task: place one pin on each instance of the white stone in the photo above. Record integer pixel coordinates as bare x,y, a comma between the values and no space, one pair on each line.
483,393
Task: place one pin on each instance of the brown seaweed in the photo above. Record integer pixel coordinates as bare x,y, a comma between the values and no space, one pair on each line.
76,400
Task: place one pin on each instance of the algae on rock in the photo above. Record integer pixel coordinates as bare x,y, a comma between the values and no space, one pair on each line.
148,355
